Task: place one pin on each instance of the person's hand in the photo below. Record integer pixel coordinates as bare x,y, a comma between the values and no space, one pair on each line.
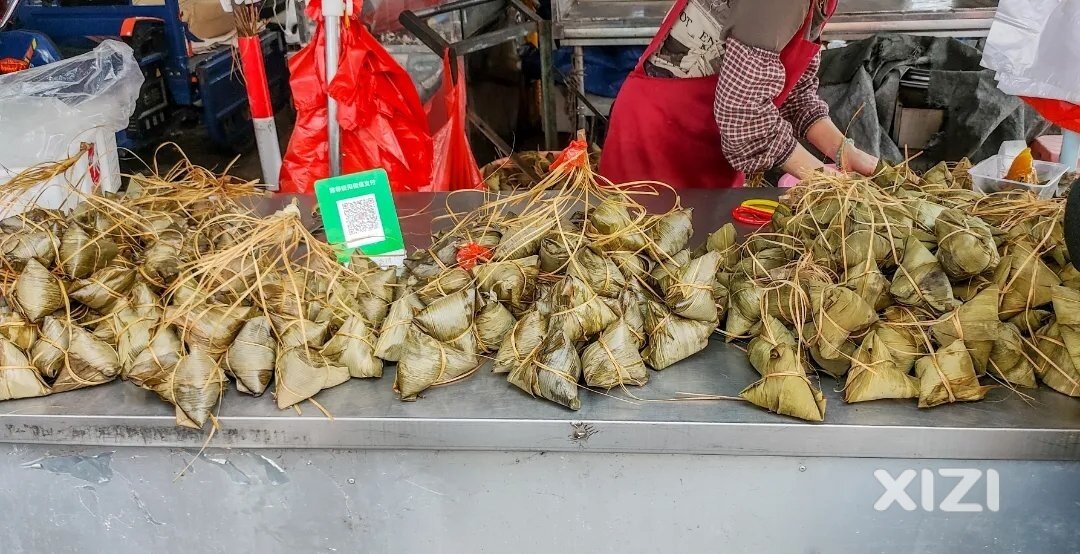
858,161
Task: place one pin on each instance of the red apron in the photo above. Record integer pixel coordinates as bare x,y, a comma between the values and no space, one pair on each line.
662,129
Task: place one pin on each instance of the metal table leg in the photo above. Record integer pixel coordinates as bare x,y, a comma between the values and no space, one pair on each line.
547,86
578,79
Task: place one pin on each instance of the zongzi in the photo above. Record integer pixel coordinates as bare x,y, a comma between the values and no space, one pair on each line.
492,323
37,292
521,344
874,374
613,360
19,379
784,387
353,346
196,386
947,376
920,280
554,371
672,338
251,356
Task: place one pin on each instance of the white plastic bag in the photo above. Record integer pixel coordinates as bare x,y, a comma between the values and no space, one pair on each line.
1034,49
46,111
53,112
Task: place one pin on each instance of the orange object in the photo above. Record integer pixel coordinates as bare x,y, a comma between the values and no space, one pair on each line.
11,65
575,155
471,253
1022,169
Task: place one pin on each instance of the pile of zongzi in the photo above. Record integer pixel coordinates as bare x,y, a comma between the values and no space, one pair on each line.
582,287
176,286
898,286
904,287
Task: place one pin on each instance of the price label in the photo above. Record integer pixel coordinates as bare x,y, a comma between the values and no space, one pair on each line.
358,212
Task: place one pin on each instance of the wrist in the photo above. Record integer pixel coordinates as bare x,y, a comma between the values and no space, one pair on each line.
801,163
826,137
846,154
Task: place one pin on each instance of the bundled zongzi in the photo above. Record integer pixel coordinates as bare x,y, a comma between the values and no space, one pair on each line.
88,362
579,310
196,386
838,313
966,245
1008,360
426,362
689,293
18,378
81,255
513,282
397,322
492,323
37,292
669,233
613,360
874,374
353,346
947,376
920,280
301,373
784,387
976,323
521,344
103,290
672,338
209,328
554,371
251,356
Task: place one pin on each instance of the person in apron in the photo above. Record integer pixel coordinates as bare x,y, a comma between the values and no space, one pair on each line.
727,88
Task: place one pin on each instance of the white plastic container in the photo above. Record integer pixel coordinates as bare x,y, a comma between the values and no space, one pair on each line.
989,177
1007,152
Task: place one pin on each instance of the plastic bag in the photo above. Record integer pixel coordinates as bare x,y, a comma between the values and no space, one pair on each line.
455,166
45,110
1063,114
382,121
1032,46
574,155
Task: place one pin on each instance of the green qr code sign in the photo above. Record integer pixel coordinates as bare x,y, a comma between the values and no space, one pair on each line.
358,212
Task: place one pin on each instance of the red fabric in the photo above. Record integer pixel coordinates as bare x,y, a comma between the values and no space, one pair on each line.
660,128
1059,112
382,121
258,91
454,167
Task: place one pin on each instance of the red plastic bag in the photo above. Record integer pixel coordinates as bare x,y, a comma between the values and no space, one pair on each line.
574,155
382,121
1059,112
455,166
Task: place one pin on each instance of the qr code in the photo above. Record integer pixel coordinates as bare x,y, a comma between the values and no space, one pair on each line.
360,220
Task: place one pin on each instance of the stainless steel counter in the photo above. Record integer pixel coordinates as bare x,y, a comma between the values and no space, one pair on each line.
486,413
481,467
629,22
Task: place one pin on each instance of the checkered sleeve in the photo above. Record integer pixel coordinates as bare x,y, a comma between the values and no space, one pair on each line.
753,134
803,106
